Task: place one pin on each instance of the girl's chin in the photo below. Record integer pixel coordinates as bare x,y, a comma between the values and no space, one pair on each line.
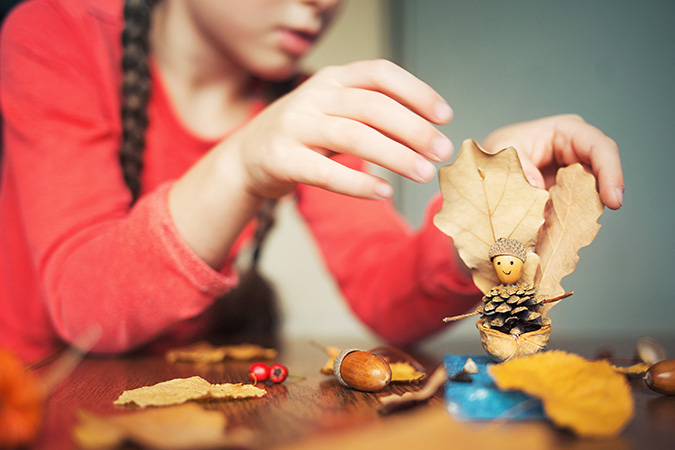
278,72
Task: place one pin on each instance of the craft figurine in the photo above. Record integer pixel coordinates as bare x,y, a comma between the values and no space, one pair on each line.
519,241
510,307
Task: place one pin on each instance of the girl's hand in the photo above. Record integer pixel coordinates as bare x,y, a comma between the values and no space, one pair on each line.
371,109
546,144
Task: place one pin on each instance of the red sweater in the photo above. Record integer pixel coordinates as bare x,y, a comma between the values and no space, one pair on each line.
71,251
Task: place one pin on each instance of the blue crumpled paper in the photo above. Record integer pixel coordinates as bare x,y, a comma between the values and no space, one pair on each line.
482,399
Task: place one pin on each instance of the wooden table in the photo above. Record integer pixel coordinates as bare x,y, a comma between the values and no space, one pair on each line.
318,413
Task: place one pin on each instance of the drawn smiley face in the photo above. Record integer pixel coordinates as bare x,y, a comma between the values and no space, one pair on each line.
508,268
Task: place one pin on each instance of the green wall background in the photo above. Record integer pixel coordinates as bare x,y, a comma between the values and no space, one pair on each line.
613,63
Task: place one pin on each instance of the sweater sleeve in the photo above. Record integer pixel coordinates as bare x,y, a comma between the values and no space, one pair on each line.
96,260
398,281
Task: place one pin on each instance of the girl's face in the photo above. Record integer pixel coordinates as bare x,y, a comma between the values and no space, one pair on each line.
264,37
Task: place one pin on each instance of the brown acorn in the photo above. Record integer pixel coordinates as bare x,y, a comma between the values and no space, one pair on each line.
661,377
362,370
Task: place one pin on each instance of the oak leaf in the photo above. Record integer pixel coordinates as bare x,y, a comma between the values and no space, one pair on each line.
571,223
181,390
588,397
486,197
203,353
177,427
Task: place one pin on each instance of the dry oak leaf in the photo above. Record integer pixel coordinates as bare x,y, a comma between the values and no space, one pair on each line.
177,427
205,353
588,397
181,390
486,197
403,371
332,352
634,369
571,223
21,402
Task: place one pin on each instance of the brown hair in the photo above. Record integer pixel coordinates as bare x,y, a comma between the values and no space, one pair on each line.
248,312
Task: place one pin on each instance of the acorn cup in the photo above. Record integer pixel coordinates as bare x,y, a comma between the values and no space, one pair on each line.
502,346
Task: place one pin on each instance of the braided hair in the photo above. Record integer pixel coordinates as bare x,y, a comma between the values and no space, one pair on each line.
135,90
248,312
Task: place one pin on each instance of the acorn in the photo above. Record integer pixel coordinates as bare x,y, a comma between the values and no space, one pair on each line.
661,377
362,370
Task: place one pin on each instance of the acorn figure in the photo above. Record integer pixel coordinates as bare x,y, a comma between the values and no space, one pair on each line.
511,307
497,220
511,322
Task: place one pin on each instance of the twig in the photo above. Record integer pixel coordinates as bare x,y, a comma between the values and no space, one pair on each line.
395,401
475,313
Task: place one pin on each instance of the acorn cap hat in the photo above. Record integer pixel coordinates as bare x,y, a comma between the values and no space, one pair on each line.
510,247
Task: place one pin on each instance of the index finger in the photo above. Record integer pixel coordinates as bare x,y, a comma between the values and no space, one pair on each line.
388,78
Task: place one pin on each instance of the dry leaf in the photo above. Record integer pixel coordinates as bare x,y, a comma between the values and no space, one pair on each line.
21,402
571,223
205,353
403,371
180,390
178,427
332,352
485,197
588,397
635,369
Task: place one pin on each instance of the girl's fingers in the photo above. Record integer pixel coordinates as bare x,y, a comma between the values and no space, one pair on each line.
393,81
531,172
579,141
315,169
390,118
341,135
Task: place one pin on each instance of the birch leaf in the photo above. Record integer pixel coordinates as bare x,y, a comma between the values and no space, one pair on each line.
571,223
485,197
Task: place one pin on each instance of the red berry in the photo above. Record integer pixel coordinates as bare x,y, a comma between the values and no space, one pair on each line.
258,372
278,373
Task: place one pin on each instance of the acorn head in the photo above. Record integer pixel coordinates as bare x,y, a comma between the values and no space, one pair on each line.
509,247
508,257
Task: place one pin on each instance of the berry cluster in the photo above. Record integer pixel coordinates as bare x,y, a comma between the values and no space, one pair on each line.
260,371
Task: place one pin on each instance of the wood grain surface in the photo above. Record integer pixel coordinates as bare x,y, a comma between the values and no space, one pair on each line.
313,411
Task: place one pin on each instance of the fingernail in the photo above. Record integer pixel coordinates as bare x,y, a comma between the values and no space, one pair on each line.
441,148
443,112
534,181
384,190
619,196
425,170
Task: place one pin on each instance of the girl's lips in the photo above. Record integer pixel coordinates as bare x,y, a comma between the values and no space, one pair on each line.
294,42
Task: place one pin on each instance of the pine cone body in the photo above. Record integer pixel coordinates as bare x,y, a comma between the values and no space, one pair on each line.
512,309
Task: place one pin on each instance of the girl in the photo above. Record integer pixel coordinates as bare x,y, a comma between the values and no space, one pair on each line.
132,220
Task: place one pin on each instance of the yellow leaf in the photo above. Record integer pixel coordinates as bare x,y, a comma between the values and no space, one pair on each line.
332,352
181,390
486,197
571,223
588,397
205,353
178,427
404,372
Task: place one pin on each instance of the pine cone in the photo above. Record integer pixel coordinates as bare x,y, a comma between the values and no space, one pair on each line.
512,309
